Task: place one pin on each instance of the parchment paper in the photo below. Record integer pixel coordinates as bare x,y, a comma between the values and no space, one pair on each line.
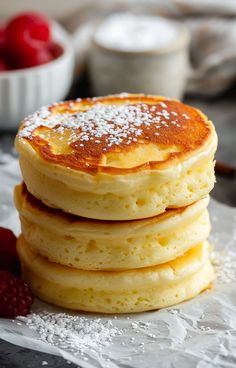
198,333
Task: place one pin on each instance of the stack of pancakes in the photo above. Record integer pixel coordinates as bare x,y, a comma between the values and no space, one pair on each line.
113,207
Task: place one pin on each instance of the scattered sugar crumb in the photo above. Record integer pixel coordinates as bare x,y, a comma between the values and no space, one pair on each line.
205,328
153,336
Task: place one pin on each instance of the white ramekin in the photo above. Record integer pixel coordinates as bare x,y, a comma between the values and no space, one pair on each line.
162,71
25,90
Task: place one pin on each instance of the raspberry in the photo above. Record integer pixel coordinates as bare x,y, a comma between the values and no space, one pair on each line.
2,38
33,57
8,255
3,67
4,62
8,240
27,37
55,49
28,30
15,296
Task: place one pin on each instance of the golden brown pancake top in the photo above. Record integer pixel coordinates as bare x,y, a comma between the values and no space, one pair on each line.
79,134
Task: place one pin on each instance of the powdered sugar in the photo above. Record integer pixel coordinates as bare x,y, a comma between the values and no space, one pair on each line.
115,124
224,263
223,239
72,333
135,32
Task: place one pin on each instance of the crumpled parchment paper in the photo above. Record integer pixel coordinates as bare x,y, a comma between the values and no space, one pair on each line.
198,333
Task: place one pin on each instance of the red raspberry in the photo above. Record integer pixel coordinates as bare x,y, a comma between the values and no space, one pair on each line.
8,240
8,255
27,37
15,296
2,38
55,49
4,62
28,30
5,54
3,67
33,57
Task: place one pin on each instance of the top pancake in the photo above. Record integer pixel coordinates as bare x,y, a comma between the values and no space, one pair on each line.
116,134
119,157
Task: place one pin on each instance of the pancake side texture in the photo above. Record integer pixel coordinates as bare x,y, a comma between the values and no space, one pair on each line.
117,292
104,245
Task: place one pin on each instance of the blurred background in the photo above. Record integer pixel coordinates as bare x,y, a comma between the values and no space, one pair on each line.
210,23
184,49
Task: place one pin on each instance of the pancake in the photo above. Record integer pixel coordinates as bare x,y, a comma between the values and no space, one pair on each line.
118,157
117,292
110,245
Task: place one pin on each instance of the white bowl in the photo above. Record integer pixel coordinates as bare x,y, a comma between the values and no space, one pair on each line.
25,90
162,71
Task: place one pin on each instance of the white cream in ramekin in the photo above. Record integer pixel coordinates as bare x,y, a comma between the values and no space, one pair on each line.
139,53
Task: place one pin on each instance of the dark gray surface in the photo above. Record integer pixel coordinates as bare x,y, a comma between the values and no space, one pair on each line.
12,356
222,112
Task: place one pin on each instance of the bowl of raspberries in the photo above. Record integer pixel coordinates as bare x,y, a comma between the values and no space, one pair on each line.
36,66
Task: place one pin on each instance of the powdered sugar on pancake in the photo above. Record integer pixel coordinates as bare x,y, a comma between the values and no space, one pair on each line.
115,124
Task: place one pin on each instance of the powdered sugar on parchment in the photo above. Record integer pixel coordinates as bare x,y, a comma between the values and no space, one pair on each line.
224,263
76,334
223,256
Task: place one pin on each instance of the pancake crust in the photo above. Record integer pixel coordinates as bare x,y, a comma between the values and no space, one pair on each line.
104,245
118,157
117,292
